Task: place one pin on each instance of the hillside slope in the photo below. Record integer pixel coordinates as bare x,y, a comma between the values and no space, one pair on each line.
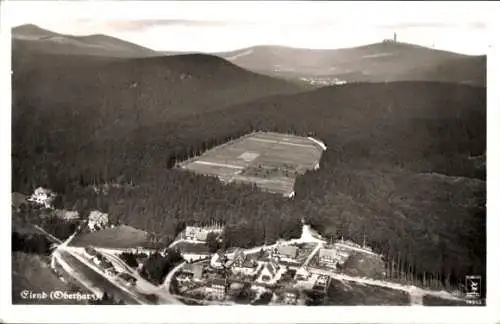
53,94
379,62
30,272
34,38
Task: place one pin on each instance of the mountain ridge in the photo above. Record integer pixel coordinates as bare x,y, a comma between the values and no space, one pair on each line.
377,62
32,37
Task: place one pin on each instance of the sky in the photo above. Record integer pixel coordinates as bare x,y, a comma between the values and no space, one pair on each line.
222,26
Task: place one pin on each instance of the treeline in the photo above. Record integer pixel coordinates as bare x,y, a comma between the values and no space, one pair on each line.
154,267
157,266
30,243
384,142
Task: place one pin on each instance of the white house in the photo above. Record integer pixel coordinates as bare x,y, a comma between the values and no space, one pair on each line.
97,220
42,196
195,233
245,265
218,260
328,258
302,274
290,296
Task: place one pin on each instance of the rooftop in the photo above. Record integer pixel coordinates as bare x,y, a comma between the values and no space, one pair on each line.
329,253
288,250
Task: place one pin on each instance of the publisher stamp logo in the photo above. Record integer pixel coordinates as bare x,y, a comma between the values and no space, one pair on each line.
473,287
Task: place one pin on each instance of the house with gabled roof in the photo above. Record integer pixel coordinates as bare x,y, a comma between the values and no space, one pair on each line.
218,288
42,196
246,266
270,273
193,271
290,296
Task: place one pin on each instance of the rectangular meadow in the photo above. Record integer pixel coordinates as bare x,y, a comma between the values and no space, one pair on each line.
269,160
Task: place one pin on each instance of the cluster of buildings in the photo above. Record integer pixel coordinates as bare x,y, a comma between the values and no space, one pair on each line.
197,233
332,258
43,197
285,270
325,81
97,220
265,269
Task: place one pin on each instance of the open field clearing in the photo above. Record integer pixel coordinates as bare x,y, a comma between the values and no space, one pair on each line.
350,293
269,160
119,237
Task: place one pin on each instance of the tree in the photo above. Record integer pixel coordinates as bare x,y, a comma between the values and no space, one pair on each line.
157,266
213,242
129,258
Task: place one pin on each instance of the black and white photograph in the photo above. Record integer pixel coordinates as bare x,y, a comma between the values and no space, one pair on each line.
239,154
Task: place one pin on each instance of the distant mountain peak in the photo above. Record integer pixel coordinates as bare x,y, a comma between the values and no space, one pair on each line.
42,40
31,31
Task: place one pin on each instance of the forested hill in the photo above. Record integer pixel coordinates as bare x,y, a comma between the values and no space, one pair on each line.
397,168
33,38
68,101
378,62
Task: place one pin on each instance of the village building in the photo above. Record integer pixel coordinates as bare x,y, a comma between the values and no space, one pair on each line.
269,274
43,197
97,220
290,296
322,283
218,288
245,265
224,260
248,268
195,233
90,252
238,257
302,274
218,260
111,272
193,271
286,252
328,258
